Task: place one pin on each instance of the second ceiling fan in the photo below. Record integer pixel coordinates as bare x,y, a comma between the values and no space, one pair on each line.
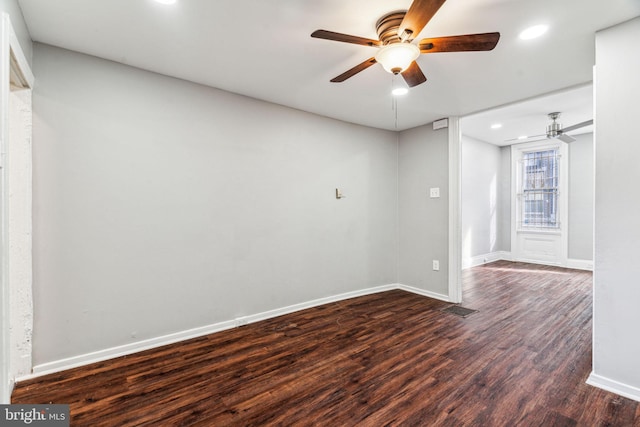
396,32
555,130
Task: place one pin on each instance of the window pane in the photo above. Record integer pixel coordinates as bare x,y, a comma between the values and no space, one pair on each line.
539,193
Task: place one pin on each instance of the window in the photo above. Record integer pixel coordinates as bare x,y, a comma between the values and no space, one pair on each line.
539,190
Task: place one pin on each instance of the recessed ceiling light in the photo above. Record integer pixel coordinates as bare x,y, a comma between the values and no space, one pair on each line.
166,1
533,32
400,91
496,126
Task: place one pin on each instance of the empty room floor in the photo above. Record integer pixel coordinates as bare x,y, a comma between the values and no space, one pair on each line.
392,358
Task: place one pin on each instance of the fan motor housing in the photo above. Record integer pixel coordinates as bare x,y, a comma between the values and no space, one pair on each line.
554,129
387,27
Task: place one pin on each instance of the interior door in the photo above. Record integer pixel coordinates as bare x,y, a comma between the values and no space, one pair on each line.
539,213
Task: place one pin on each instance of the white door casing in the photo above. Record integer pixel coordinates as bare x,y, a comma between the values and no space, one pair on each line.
15,75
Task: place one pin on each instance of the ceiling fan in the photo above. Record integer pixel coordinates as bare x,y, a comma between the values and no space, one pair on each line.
397,53
556,131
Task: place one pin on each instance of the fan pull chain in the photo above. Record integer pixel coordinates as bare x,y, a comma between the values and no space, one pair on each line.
394,102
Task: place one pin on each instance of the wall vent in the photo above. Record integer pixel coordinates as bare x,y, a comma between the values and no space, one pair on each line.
441,124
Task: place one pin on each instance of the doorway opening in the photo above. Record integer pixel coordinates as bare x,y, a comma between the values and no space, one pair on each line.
497,212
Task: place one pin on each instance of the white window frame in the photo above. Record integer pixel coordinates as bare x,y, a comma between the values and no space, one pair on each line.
522,192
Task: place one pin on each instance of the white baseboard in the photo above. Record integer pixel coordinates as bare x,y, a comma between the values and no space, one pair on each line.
123,350
613,386
5,397
424,293
314,303
580,264
505,255
576,264
485,258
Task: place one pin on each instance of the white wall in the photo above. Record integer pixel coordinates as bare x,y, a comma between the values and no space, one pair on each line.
162,205
423,164
481,209
581,198
19,26
616,347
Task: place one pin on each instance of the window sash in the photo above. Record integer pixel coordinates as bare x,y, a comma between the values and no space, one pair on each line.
539,189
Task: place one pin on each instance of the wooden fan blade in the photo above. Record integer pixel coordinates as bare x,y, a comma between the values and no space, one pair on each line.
353,71
346,38
465,43
414,75
418,15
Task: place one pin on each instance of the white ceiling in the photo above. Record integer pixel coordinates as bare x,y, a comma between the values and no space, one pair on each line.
529,118
263,49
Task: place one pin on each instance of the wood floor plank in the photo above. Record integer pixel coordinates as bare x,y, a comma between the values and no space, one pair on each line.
392,358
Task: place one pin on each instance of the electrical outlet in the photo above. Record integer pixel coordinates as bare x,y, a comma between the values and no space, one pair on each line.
436,265
434,192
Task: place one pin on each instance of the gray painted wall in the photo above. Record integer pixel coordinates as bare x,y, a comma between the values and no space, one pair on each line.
581,197
616,348
19,26
161,205
505,200
423,164
481,209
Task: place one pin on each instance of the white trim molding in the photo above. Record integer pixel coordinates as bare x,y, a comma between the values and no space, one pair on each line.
455,217
580,264
613,386
424,293
576,264
6,380
15,209
485,259
127,349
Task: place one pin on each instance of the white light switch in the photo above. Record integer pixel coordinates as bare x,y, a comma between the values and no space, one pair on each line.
434,192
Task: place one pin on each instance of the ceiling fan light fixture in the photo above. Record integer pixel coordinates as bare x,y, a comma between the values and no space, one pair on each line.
399,91
396,57
398,87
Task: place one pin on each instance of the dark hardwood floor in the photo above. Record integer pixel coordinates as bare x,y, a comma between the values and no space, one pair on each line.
392,358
